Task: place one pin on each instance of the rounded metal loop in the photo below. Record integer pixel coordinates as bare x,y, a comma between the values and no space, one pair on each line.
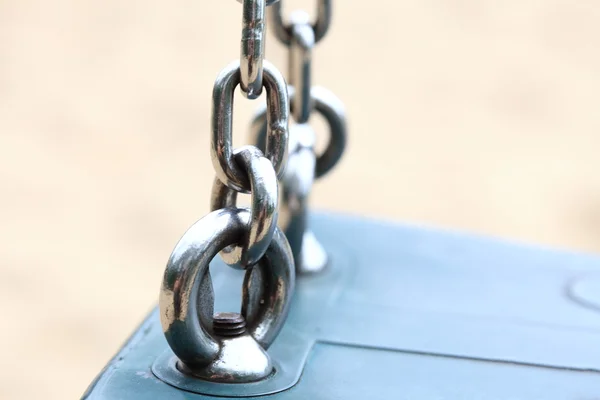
283,31
186,298
252,51
264,212
222,120
300,62
331,108
269,2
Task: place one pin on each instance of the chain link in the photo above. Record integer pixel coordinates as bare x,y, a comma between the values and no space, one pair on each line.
228,171
331,109
300,65
269,2
283,31
263,219
252,51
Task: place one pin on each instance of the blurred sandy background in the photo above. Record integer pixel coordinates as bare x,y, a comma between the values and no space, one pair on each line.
473,115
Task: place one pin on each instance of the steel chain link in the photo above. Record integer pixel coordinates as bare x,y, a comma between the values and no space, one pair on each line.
283,31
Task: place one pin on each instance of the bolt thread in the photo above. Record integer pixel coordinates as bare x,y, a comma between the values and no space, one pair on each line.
228,324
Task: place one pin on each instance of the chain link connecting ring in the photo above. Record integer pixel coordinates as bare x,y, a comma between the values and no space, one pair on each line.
227,170
331,108
269,2
252,52
300,65
187,302
283,31
263,219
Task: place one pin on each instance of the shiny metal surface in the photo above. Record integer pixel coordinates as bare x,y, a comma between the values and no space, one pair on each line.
296,187
264,200
269,2
313,257
283,31
252,51
222,112
240,360
300,60
186,301
329,107
332,109
303,167
228,324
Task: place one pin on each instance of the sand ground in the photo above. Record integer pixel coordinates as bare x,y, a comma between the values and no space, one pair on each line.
473,115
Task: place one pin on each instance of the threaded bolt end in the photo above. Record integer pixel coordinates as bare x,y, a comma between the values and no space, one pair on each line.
229,324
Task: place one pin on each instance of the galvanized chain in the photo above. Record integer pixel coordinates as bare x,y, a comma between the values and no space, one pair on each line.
304,165
231,347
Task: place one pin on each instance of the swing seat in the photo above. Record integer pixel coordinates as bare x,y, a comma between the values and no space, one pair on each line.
404,312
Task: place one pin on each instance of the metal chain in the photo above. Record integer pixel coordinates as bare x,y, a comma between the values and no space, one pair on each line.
300,65
263,206
251,73
300,36
253,47
247,239
284,32
277,116
304,165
